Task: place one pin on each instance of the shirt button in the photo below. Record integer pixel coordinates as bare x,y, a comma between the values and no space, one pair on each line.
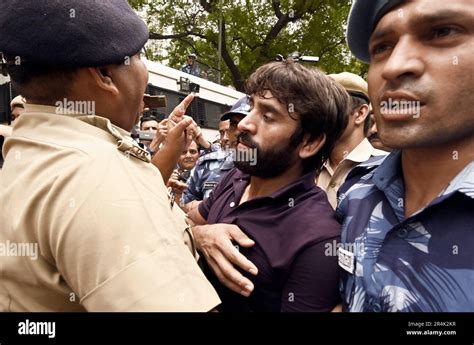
332,184
232,204
403,233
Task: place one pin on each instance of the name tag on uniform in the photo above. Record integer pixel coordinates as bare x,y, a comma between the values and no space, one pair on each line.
209,185
346,260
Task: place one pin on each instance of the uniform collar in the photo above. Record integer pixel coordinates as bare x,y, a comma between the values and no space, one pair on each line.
391,169
463,182
363,152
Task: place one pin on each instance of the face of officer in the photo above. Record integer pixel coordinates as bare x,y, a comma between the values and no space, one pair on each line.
373,136
118,91
355,123
422,53
233,130
224,133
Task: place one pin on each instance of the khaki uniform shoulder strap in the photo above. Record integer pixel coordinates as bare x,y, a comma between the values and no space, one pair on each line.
125,143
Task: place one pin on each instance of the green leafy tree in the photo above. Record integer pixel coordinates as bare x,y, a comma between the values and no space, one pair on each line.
253,33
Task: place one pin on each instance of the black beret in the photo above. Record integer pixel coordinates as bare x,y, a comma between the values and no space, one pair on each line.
363,18
71,33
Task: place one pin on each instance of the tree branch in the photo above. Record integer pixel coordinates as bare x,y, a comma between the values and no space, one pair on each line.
234,70
283,20
208,6
277,8
330,47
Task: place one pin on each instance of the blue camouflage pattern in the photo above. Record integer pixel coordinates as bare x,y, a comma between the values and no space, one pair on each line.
423,263
208,171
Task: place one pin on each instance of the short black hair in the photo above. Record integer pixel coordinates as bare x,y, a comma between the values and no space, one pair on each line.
41,83
146,118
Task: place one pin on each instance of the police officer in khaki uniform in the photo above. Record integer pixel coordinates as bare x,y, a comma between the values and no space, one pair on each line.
86,222
352,148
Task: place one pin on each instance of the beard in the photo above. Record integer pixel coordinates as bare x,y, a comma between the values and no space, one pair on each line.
272,162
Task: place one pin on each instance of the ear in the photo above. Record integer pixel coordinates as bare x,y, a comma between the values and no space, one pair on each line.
361,114
103,78
310,147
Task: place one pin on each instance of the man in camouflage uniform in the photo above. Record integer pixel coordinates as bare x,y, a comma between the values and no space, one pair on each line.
212,167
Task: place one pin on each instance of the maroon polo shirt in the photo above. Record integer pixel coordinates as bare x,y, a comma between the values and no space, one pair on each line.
294,230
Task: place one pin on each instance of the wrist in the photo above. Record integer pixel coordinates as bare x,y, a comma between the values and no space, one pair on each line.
197,231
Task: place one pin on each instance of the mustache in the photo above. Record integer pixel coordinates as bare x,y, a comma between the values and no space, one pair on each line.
373,136
408,87
247,140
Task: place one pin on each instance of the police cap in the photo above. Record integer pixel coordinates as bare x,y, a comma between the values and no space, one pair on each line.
363,18
240,107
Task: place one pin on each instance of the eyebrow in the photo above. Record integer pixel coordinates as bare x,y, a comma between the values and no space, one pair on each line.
425,18
270,108
440,16
265,105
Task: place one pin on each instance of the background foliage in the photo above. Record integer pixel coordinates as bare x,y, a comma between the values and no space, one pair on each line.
254,32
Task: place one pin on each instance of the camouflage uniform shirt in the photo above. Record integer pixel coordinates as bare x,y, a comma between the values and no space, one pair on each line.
209,170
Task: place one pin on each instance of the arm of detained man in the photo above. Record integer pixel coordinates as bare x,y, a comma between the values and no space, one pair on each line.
194,215
167,157
215,242
187,208
313,282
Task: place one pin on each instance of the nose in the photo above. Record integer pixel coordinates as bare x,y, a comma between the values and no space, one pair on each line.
404,62
226,136
247,124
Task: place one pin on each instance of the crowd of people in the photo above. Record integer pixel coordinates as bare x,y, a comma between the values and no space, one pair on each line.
324,192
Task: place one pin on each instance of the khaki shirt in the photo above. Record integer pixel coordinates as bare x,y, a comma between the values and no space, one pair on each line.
81,192
330,181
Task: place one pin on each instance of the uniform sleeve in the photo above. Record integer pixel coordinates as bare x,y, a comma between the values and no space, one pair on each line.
205,206
194,190
313,282
117,244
